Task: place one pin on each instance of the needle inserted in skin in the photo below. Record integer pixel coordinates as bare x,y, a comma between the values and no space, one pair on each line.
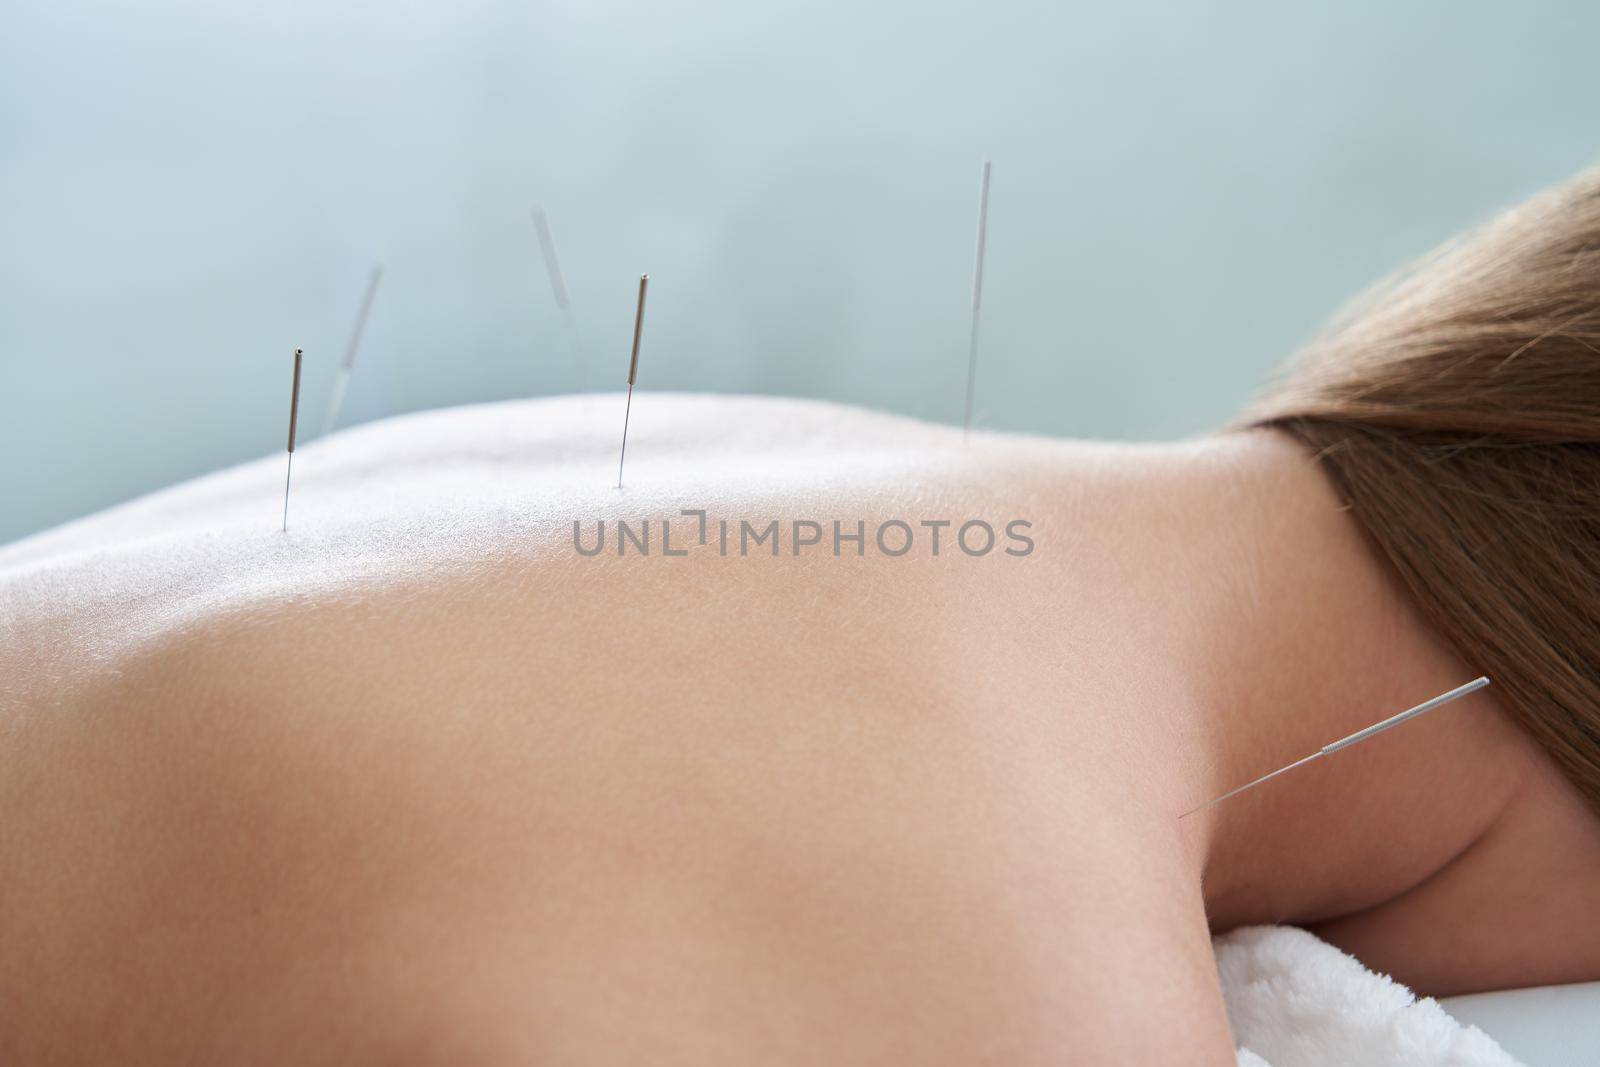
348,363
294,417
1354,739
977,299
633,373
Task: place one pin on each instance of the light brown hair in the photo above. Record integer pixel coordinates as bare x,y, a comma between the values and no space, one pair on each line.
1457,410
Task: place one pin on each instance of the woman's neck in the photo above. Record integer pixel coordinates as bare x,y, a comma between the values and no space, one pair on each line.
1308,637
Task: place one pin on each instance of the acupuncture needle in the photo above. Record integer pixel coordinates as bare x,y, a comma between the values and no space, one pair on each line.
977,298
1354,739
633,373
294,417
552,264
558,284
347,365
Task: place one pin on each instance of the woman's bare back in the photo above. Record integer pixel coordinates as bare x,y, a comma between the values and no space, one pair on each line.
429,777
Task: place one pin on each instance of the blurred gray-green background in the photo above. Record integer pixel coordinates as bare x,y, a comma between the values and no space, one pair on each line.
1181,193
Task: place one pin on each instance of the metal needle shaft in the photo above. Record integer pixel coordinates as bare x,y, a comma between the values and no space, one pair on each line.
342,382
552,262
977,299
1353,739
558,289
633,374
294,418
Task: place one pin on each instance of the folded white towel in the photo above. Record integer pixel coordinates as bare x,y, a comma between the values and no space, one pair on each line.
1296,1001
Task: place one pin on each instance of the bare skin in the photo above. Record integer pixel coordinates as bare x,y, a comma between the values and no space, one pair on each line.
418,782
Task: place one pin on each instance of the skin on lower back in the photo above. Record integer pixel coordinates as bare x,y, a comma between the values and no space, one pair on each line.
486,815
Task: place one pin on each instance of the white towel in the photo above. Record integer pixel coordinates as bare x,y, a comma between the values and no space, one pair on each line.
1296,1001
